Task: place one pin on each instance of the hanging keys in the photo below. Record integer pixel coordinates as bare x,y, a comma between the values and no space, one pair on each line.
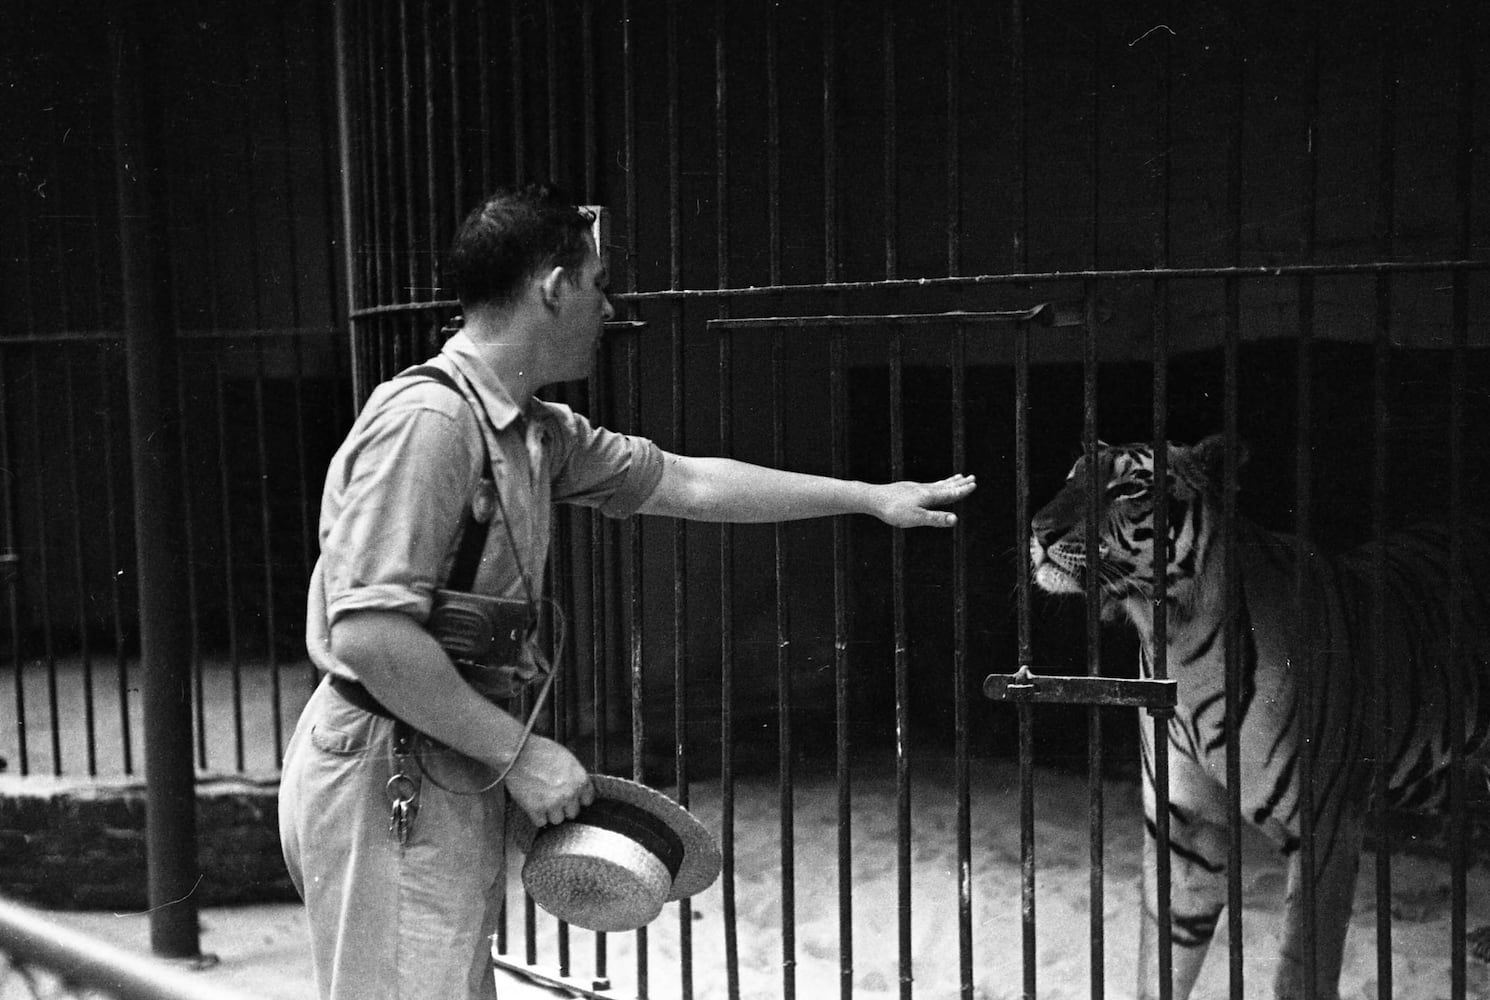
403,797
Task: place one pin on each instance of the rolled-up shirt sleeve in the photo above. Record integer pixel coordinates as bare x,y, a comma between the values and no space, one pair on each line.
401,503
595,467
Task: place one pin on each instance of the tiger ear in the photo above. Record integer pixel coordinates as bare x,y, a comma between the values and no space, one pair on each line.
1209,456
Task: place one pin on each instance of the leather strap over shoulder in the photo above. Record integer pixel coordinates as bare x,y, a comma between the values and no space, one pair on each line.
473,532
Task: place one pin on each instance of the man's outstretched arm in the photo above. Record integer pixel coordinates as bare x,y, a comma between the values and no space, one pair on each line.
722,489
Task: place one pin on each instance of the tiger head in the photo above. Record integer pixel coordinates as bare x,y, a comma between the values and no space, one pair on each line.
1125,527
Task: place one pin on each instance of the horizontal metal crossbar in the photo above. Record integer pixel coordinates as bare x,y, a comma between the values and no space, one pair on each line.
1044,314
1130,274
1261,271
1106,691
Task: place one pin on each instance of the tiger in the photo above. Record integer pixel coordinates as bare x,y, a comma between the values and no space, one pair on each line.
1422,688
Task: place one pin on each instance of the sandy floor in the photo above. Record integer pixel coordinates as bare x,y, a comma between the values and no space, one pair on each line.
1420,901
265,942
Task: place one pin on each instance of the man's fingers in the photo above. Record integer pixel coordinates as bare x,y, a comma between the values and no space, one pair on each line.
956,487
587,793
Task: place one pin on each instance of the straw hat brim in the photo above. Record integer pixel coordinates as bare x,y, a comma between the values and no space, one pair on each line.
701,857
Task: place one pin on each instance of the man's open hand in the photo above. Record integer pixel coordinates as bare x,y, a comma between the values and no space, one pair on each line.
915,505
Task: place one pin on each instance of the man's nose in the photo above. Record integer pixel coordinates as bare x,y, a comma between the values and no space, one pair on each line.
609,311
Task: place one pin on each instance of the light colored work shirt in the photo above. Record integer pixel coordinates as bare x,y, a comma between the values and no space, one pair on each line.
398,489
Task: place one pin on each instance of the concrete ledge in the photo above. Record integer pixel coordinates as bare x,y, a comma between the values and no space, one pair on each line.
77,843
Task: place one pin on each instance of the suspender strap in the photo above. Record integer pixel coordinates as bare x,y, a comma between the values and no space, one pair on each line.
473,532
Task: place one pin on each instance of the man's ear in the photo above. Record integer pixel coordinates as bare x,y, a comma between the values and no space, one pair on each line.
550,286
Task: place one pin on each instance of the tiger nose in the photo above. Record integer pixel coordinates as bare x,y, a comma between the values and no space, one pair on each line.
1044,533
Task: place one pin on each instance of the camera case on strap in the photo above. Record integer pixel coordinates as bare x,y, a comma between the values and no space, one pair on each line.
487,638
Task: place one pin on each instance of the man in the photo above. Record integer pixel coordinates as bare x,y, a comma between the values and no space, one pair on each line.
397,851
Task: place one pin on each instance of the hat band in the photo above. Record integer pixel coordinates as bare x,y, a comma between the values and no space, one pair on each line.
636,823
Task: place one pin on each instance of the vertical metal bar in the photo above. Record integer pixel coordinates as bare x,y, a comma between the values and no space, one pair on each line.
838,405
1160,420
1025,657
1470,47
773,150
784,697
1019,142
79,564
250,182
302,476
1382,432
151,365
1382,714
726,533
407,246
287,178
1096,907
1159,666
954,140
674,172
378,209
843,768
902,674
830,134
302,471
12,604
107,413
1096,484
962,764
266,535
333,99
628,104
13,611
557,583
633,533
891,208
551,104
193,605
457,122
519,94
1020,152
727,687
483,102
230,587
680,530
23,231
431,174
591,116
1231,569
600,596
43,566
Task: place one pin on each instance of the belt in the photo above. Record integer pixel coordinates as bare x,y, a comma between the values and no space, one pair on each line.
358,696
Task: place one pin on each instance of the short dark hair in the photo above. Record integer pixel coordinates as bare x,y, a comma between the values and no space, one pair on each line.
512,235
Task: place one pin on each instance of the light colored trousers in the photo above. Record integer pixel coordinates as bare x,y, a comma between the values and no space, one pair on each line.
389,922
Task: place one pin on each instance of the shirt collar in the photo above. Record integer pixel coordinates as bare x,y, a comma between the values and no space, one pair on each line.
466,358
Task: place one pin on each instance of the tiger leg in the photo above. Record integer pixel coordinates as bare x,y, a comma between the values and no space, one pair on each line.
1197,861
1337,862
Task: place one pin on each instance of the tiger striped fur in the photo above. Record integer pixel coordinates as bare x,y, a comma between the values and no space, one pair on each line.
1422,687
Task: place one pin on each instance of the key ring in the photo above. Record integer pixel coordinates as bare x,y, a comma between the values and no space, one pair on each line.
409,790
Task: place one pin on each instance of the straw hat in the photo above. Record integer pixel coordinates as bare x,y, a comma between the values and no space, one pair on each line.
615,865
